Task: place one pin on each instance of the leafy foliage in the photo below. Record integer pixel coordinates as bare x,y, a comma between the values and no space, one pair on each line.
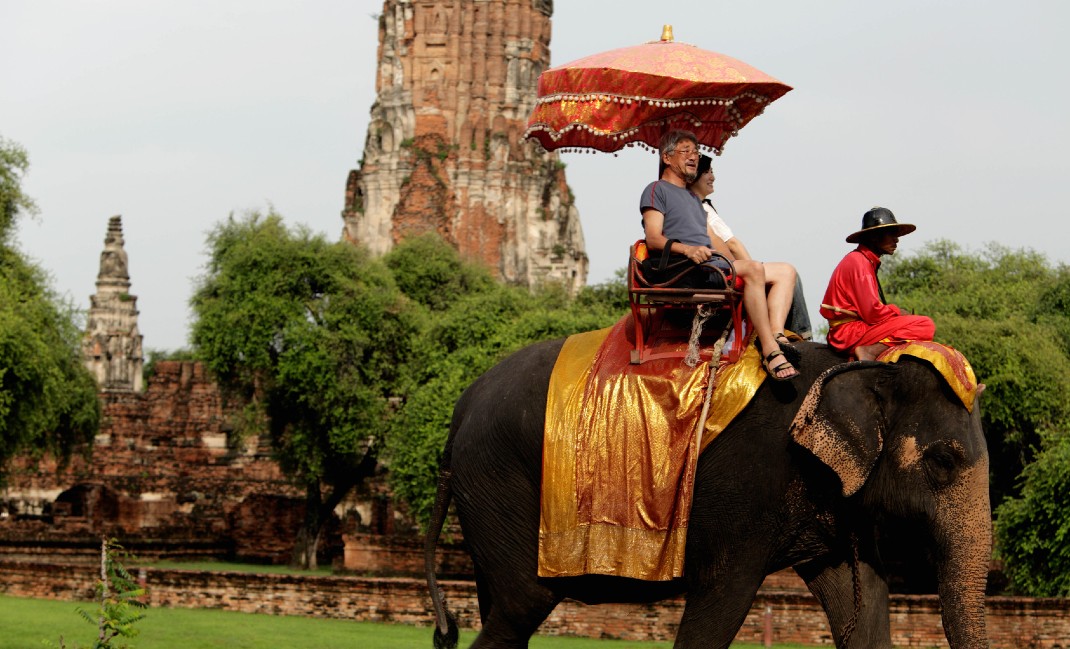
309,336
120,606
48,400
478,324
432,273
13,165
610,295
1035,528
1007,312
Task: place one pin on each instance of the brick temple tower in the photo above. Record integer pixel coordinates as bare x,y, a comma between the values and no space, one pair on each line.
445,151
112,344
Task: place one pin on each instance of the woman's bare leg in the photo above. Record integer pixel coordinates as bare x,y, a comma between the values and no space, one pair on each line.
780,280
754,300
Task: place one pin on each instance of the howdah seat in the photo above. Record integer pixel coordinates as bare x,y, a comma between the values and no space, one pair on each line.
663,304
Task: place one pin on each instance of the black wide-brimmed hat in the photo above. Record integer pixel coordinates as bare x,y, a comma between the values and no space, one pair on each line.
880,218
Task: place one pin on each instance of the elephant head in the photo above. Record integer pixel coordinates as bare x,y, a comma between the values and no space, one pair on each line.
904,443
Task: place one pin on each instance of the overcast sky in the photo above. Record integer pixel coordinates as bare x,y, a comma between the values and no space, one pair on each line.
176,114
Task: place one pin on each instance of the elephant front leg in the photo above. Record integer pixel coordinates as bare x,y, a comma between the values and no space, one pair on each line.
855,599
717,607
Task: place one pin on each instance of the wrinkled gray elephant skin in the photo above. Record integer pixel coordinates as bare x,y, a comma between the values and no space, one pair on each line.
872,441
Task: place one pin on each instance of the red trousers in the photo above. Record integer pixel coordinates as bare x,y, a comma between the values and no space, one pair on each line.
894,330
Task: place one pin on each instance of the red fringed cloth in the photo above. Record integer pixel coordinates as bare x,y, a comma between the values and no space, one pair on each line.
949,361
620,451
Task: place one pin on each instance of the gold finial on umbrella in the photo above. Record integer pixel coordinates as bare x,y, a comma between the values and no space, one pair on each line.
666,34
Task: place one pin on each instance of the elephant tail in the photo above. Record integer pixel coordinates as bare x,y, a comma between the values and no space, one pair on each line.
447,640
445,623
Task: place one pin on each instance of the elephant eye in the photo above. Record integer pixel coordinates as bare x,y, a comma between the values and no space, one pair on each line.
942,461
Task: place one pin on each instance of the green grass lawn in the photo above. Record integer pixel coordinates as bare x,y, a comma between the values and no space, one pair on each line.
27,623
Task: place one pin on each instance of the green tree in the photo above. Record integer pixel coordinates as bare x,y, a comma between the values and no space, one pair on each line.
1007,311
48,400
13,166
1034,529
430,272
308,335
476,323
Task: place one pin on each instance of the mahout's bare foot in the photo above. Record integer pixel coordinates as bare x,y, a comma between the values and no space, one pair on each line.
869,352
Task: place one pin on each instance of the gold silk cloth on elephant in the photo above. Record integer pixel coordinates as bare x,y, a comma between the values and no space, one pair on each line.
949,361
620,452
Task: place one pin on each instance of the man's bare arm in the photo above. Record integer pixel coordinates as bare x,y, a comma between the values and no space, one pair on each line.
653,224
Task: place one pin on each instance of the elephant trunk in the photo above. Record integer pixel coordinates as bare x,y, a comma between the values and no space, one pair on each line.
964,533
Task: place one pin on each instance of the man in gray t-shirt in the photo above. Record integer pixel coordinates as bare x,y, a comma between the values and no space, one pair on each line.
673,216
672,213
685,220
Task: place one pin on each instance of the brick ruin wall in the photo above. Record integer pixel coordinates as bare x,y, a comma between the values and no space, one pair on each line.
167,477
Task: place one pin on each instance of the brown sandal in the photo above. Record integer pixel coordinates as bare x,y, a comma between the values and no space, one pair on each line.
772,371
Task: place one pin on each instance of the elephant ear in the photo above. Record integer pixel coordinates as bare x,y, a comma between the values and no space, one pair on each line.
842,419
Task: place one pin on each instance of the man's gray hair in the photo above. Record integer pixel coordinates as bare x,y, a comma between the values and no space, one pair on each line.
668,143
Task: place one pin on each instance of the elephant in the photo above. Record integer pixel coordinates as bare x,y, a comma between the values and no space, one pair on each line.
872,442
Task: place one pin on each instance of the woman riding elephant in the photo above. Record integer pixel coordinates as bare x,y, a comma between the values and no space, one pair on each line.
798,480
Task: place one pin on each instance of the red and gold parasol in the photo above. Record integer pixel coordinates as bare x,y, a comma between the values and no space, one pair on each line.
635,94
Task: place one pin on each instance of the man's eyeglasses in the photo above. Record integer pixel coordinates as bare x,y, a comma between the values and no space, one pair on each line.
686,152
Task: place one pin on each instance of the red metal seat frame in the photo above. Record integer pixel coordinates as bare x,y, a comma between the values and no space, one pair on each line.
651,301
